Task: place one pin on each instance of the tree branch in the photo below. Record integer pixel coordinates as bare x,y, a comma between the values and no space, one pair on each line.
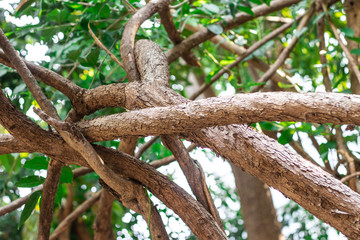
128,39
47,204
51,78
21,201
74,215
193,175
241,108
240,18
285,53
27,76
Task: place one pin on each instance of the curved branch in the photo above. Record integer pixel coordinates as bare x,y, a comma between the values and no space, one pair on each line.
240,18
51,78
241,108
128,39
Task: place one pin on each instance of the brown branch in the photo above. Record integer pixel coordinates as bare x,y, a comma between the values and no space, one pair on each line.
169,159
196,217
128,39
174,35
300,150
74,215
348,177
192,173
344,151
352,62
235,49
102,225
248,51
285,53
145,146
320,30
27,76
51,78
240,18
48,199
241,108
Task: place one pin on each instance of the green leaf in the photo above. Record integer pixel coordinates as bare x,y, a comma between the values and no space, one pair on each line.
7,161
92,57
29,207
19,88
286,136
301,32
37,163
258,2
215,28
31,181
246,10
212,8
105,11
66,175
232,8
267,2
349,32
318,17
355,51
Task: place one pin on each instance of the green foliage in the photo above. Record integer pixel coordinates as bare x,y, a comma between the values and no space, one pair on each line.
29,207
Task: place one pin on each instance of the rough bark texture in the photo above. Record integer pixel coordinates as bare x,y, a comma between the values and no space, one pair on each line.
241,108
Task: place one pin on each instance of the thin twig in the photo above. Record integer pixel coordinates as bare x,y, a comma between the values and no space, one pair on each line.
248,51
352,61
285,53
99,43
145,146
348,177
21,201
169,159
74,215
27,76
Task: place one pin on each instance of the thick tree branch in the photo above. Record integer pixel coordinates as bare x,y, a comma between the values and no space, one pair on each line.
240,18
189,210
47,204
314,189
240,108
